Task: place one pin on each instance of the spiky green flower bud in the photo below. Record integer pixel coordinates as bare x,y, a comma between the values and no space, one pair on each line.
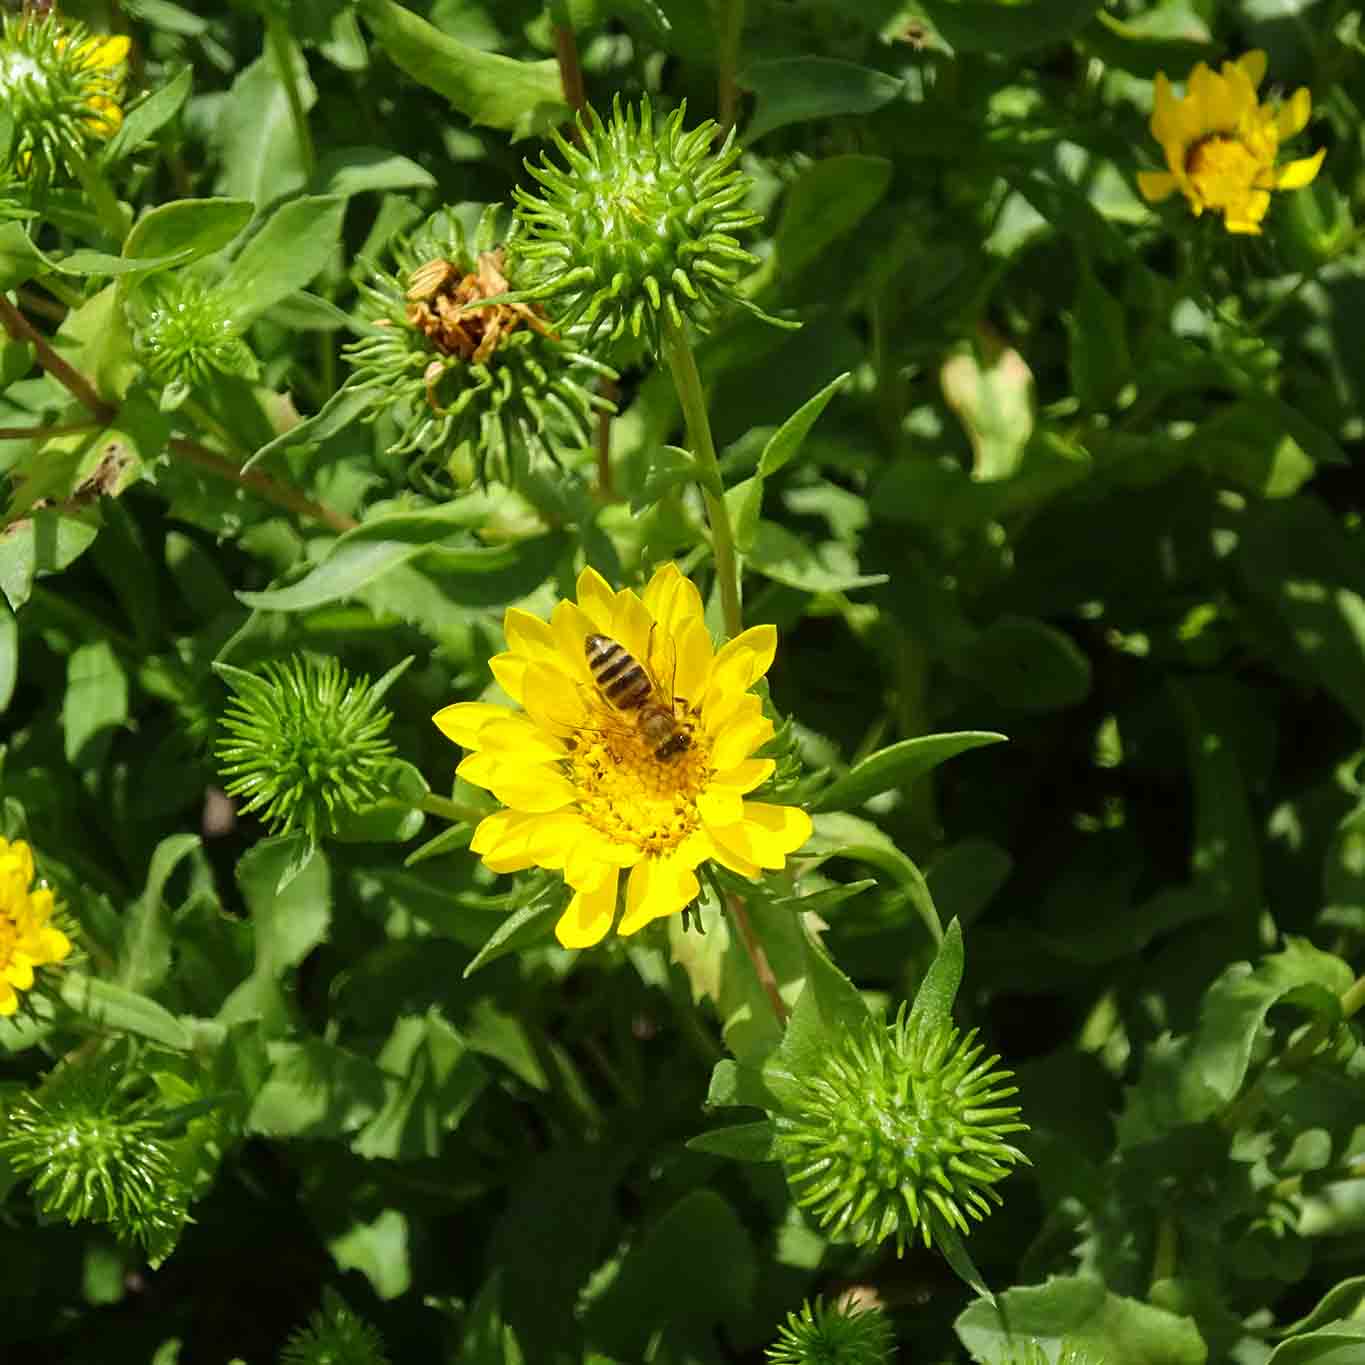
493,384
901,1130
841,1333
639,227
185,334
304,743
99,1150
334,1336
62,89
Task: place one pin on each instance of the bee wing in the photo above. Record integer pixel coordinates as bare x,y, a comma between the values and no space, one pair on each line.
662,665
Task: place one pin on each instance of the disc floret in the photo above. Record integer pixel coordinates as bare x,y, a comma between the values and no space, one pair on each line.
639,227
900,1131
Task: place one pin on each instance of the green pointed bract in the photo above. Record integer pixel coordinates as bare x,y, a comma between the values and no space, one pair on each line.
899,1132
532,396
334,1336
638,227
304,744
184,332
835,1334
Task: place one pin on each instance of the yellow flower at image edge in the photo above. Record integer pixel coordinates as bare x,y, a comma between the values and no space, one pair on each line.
596,791
27,938
1221,143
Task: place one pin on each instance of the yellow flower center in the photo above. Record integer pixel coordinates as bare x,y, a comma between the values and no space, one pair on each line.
1223,169
627,792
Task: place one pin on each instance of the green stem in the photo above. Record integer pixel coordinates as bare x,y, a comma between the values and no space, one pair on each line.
730,25
102,199
1164,1261
1273,308
457,812
281,45
753,946
687,381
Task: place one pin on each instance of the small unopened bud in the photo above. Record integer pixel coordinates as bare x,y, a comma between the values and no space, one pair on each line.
841,1333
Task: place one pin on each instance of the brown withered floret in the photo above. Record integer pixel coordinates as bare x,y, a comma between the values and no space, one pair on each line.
446,308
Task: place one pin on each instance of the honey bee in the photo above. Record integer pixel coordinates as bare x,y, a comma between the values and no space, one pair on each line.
627,686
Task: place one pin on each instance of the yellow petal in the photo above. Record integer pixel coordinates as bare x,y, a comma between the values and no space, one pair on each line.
19,973
1292,116
589,915
591,857
509,840
596,598
657,887
719,805
528,635
672,599
571,626
633,629
745,776
1156,185
517,739
1252,65
736,742
510,671
552,699
1167,123
775,831
694,656
1294,175
731,849
9,1002
463,720
479,768
537,790
55,945
745,659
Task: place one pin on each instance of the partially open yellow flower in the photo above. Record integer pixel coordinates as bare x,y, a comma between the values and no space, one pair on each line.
62,87
27,938
1221,143
595,787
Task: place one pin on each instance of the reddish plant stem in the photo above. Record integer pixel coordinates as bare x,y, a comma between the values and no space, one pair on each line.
104,413
570,71
37,433
605,489
763,969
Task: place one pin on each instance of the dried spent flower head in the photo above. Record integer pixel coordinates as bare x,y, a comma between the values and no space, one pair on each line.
334,1335
184,332
463,374
62,88
1221,143
900,1130
840,1333
98,1151
29,941
304,743
638,228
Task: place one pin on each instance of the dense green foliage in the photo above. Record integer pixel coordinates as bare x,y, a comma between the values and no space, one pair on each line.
329,335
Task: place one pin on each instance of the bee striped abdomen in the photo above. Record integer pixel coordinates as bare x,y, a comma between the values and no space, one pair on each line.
623,682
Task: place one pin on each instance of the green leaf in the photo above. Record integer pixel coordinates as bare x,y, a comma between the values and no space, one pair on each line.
145,956
696,1265
1097,343
316,1090
954,1248
284,255
826,201
347,569
668,467
147,117
20,260
989,385
1080,1310
899,765
339,412
932,1012
1024,663
47,542
787,558
9,655
531,924
358,170
96,701
1343,1343
255,136
785,443
440,1078
378,1249
1007,30
1235,1009
519,97
739,1142
120,1010
1343,1300
798,89
289,922
183,231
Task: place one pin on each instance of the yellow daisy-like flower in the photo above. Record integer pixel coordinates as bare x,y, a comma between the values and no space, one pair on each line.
62,87
1221,143
27,938
652,788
